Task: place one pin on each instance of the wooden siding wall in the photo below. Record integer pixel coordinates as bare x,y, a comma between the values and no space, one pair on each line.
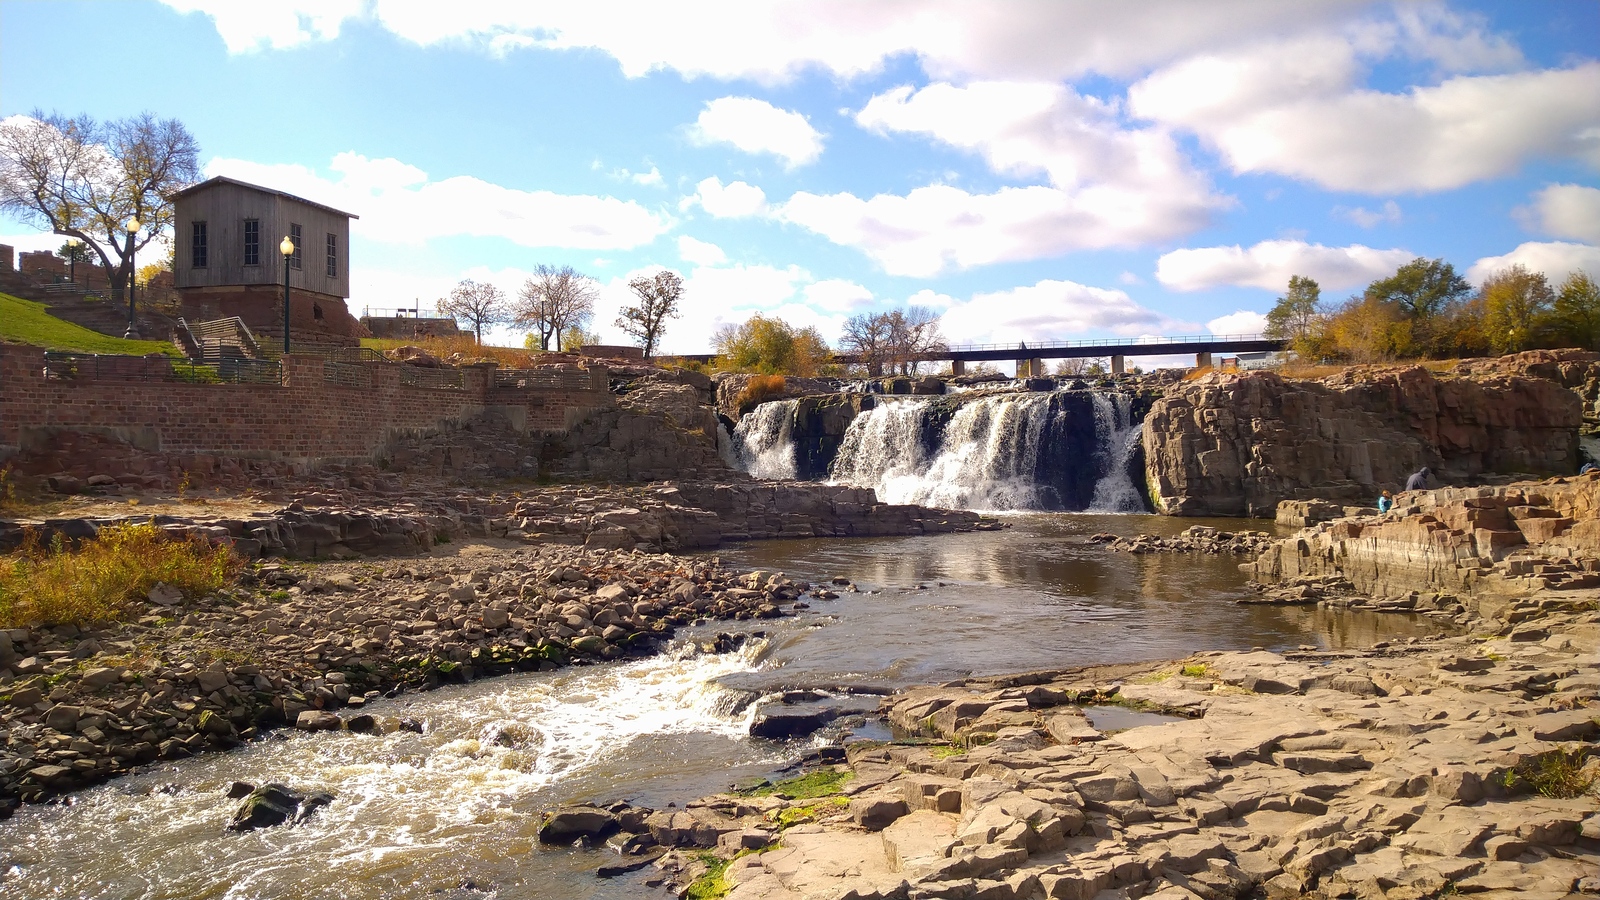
224,207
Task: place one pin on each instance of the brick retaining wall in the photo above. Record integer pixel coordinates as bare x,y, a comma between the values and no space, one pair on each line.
307,418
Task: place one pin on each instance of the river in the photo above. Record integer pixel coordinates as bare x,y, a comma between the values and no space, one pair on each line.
453,813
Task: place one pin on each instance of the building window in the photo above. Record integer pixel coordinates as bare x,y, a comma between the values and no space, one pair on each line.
197,247
333,255
252,242
294,238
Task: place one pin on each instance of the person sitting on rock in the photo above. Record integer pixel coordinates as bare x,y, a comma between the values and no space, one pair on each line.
1588,467
1385,502
1419,479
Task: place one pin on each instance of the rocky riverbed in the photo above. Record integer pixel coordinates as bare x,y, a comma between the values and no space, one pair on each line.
1457,764
296,644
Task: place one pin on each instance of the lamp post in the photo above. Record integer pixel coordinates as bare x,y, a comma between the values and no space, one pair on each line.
72,259
133,226
287,249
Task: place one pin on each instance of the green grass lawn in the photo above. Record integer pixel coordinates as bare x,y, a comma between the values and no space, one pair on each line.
26,322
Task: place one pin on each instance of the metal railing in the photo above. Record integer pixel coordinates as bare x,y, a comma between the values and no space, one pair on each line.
442,379
62,366
353,375
543,380
1025,346
335,352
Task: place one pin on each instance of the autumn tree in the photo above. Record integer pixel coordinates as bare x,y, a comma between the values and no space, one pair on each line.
555,300
1575,314
87,179
658,297
575,339
1420,291
1516,304
770,346
1295,316
480,304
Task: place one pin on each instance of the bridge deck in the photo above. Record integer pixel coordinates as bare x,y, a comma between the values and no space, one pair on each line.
1152,346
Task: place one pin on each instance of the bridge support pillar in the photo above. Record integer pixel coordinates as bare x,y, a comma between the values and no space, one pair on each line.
958,367
1119,365
1030,368
1202,360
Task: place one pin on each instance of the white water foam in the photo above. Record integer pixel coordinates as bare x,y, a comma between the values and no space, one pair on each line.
1115,492
764,440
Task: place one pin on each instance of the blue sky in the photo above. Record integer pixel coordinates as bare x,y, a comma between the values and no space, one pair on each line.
1030,170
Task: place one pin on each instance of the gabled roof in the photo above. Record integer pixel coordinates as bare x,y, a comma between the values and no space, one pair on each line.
223,179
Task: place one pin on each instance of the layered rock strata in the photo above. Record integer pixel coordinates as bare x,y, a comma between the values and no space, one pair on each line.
1408,771
1238,444
1488,546
662,517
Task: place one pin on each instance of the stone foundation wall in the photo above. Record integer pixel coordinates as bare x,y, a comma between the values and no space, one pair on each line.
307,419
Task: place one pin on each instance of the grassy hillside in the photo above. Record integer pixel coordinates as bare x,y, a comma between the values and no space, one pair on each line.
26,322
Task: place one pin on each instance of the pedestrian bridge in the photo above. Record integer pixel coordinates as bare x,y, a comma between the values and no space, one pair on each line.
1030,355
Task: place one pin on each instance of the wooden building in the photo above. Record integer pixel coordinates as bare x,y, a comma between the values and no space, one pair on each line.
228,261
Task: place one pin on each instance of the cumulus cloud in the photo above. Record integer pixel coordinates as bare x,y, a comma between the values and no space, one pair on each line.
1269,265
700,252
937,228
756,126
1556,259
1565,210
726,201
1052,310
1243,321
1367,218
1295,108
1034,39
398,203
1109,186
247,27
837,295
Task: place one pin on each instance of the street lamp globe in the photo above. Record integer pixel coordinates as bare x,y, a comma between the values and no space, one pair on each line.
134,224
287,247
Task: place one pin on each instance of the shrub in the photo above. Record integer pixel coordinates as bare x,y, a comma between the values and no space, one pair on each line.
1560,774
759,389
102,579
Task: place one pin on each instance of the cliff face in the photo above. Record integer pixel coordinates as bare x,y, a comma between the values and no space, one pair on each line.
1237,444
1491,544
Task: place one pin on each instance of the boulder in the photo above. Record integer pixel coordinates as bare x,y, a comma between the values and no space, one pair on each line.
570,823
274,804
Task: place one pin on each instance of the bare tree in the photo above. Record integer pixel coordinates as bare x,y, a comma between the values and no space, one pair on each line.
479,304
867,337
553,301
658,302
85,179
913,333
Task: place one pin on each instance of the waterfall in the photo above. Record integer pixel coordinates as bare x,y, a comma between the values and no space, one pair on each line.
1116,492
764,440
1063,450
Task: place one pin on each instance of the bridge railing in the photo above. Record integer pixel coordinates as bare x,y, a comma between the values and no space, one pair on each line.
1107,342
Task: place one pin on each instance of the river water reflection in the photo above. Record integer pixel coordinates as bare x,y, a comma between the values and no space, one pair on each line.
453,813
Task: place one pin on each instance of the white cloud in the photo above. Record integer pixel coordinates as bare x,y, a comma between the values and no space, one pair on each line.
1294,108
1565,210
651,178
1050,311
1556,259
1112,186
245,27
1269,265
701,253
1129,278
727,201
1367,218
398,203
756,126
1037,39
1243,321
937,228
837,295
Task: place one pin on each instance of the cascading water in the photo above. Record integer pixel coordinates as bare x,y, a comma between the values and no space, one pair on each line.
764,440
1063,450
1116,492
